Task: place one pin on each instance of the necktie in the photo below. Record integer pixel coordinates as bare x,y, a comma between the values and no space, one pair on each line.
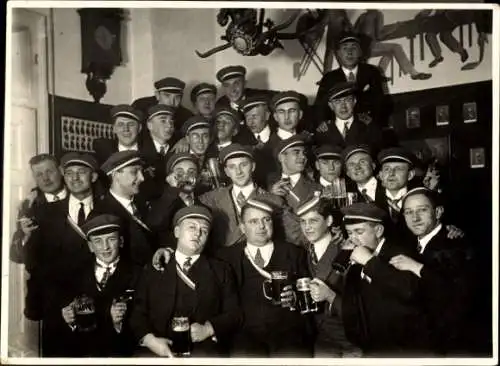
56,198
135,211
393,207
105,278
419,247
186,265
81,214
350,77
240,199
163,150
346,129
312,253
364,193
259,260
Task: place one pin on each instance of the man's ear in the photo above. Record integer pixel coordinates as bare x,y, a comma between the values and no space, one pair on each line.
301,113
316,165
177,231
61,170
379,230
94,177
149,125
242,228
121,241
253,166
157,95
329,220
439,212
411,174
91,248
275,116
354,100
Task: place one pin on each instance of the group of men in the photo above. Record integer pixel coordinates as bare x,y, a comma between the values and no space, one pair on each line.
191,216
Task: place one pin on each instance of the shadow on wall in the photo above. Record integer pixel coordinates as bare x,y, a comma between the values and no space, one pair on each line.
258,79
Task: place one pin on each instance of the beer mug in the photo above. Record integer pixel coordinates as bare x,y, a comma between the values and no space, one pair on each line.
306,303
278,281
214,169
181,336
85,316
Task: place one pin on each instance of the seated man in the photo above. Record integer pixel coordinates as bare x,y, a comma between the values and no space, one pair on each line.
272,326
191,285
203,98
324,253
108,281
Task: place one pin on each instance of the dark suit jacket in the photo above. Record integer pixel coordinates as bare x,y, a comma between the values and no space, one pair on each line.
104,341
139,242
384,316
304,189
359,133
216,299
446,283
370,96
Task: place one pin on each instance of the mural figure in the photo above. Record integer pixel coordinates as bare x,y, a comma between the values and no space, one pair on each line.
371,25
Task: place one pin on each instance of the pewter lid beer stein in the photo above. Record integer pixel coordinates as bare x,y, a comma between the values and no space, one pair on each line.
306,303
181,336
85,317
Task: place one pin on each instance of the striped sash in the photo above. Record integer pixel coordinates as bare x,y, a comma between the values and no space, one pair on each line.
184,277
76,228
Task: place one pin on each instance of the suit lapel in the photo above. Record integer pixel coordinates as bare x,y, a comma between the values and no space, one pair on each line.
324,266
302,189
354,131
227,202
168,280
205,288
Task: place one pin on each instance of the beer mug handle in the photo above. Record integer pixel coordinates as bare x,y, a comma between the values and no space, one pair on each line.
264,284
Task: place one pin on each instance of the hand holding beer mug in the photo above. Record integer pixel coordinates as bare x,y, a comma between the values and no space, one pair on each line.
200,332
181,337
306,303
68,314
320,291
281,291
158,345
118,310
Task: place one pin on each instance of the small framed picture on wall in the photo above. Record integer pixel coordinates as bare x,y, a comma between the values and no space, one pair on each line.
469,112
477,157
442,115
413,117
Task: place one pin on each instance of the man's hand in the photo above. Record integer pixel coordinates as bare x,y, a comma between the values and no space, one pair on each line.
278,188
27,226
349,244
405,263
118,310
171,179
323,127
158,345
287,297
321,292
200,332
337,235
161,258
68,314
431,178
181,146
365,118
454,232
361,255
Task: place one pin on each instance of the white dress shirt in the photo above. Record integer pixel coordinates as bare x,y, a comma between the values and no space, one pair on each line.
348,71
294,178
158,146
246,191
74,206
124,201
50,197
134,147
424,240
264,134
266,251
282,134
370,186
180,258
340,123
101,267
397,196
321,245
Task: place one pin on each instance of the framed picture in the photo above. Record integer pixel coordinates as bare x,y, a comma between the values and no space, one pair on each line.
413,117
477,158
442,115
469,112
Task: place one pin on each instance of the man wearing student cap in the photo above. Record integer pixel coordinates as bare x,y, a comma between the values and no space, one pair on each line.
59,245
232,79
226,202
344,128
127,125
125,170
191,285
270,329
158,144
228,129
367,79
291,182
325,258
197,131
179,190
168,91
203,98
444,270
378,304
109,281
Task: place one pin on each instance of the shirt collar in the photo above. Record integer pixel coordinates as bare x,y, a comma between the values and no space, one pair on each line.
423,241
284,134
321,245
61,195
370,186
111,265
347,71
324,182
398,195
158,146
266,251
125,202
87,201
134,147
341,122
247,190
294,178
180,258
264,134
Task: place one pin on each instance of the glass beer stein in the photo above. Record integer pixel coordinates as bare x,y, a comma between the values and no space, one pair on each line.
85,316
273,288
181,336
306,303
